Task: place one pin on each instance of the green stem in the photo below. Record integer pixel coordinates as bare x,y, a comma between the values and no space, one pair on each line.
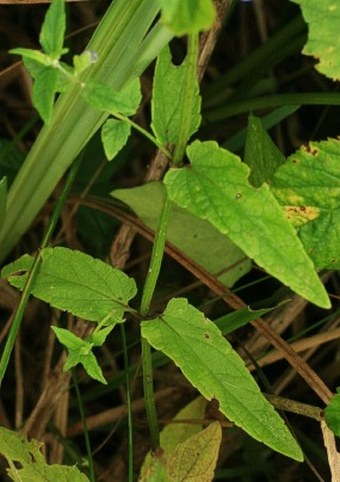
86,432
188,98
148,291
31,276
128,402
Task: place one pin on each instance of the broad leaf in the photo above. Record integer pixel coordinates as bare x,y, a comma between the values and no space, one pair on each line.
28,464
215,187
35,55
332,414
44,90
83,61
261,154
75,282
103,97
197,238
114,135
308,187
53,29
168,96
323,18
195,458
208,361
187,16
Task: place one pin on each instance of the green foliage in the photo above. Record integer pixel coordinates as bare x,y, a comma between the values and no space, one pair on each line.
323,40
27,463
332,414
210,364
115,134
215,187
169,98
195,237
187,16
75,282
53,30
261,154
308,187
80,351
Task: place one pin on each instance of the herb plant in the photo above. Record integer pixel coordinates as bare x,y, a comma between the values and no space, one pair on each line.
211,206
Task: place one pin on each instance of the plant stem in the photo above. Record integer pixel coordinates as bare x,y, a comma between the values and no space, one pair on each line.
19,312
86,433
128,402
149,288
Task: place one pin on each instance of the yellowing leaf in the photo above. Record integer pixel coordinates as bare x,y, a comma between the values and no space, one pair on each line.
308,187
323,19
28,464
215,187
195,459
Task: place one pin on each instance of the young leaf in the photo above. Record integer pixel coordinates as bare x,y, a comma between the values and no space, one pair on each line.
114,135
332,414
103,97
261,154
75,282
215,187
27,461
53,29
167,99
323,37
196,457
197,238
79,351
43,92
308,187
34,55
208,361
3,197
83,61
187,16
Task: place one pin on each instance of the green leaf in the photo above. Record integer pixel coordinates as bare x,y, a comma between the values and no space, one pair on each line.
75,282
308,187
332,414
114,135
167,100
80,351
35,55
83,61
232,321
69,339
53,29
261,154
215,187
103,97
197,238
29,461
187,16
3,198
97,338
92,368
208,361
195,458
323,42
43,92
